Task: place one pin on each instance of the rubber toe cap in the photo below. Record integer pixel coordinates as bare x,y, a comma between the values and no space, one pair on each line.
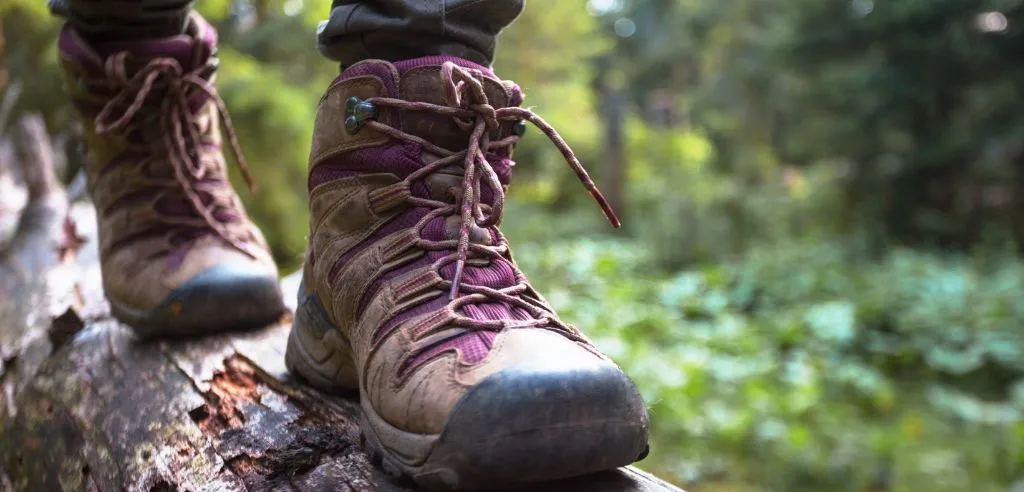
546,419
221,298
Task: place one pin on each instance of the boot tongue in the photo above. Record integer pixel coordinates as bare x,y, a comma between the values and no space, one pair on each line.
513,94
407,65
390,74
191,49
420,80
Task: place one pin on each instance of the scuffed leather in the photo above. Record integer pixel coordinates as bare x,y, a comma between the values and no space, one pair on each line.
419,400
134,252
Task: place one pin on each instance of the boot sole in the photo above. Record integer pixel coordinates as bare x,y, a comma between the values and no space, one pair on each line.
205,305
519,450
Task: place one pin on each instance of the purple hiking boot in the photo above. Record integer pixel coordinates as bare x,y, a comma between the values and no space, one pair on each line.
467,377
179,255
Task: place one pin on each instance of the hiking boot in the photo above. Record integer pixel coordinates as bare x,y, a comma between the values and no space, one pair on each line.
179,256
467,377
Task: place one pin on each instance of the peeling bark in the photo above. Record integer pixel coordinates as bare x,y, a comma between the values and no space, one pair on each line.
86,406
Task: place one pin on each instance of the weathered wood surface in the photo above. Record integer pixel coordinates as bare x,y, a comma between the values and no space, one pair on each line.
86,406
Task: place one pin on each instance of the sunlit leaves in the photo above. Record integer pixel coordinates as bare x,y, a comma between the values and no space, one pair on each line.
840,371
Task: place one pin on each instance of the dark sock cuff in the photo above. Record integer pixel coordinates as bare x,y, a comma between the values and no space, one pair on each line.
402,29
108,20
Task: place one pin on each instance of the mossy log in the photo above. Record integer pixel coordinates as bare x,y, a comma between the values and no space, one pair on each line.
84,405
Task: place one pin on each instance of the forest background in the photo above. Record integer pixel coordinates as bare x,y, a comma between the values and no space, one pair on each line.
819,283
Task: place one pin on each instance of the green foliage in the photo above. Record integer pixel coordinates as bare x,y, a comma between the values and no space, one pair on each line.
918,100
780,341
810,368
29,57
277,147
928,101
688,210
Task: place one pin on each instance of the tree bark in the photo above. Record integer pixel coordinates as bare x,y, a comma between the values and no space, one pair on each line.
613,115
84,405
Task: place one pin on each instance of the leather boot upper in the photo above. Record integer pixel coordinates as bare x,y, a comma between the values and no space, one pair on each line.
151,123
408,170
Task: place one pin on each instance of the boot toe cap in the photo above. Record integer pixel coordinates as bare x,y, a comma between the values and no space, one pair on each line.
545,418
220,298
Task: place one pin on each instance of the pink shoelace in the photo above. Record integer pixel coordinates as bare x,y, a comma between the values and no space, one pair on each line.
468,105
178,124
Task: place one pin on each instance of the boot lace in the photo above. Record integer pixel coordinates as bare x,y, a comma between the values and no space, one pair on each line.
468,104
179,126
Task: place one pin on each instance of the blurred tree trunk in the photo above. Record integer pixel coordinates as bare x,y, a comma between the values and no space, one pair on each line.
614,150
612,108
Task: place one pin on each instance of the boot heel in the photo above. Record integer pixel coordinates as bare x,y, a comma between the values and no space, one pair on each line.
317,351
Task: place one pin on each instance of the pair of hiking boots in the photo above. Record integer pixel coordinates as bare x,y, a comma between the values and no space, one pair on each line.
409,295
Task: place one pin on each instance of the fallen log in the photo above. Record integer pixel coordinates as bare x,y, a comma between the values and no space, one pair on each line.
86,406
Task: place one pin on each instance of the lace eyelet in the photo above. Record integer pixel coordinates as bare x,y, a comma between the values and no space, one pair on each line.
519,128
357,113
